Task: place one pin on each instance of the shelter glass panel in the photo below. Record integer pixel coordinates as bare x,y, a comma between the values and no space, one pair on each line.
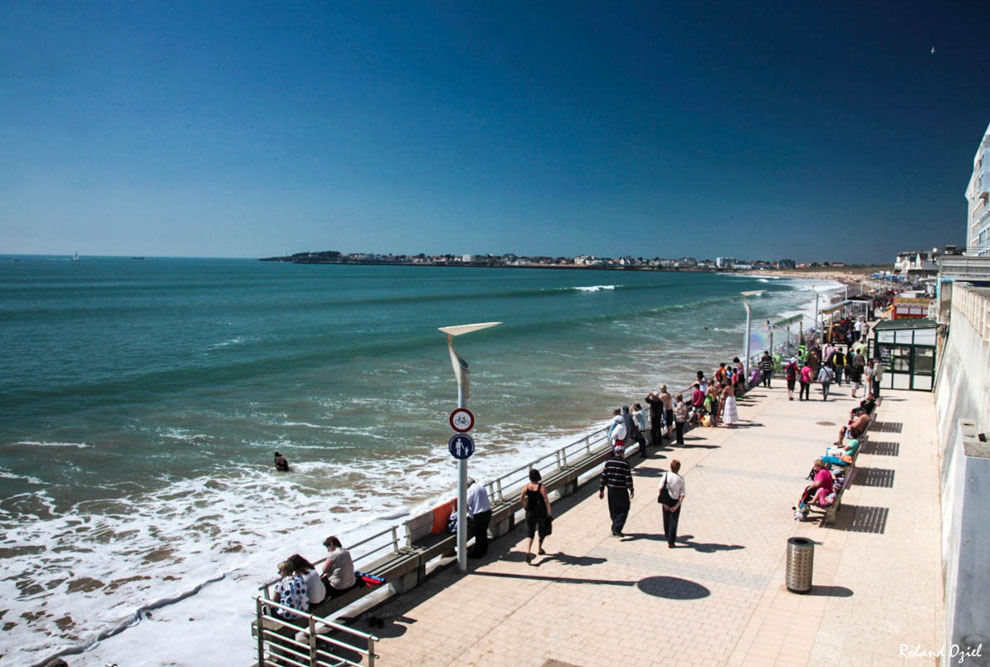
900,358
924,361
905,337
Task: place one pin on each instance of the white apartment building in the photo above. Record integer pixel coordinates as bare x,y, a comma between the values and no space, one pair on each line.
978,222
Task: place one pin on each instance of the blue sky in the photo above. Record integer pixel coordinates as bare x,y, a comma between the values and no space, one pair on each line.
812,130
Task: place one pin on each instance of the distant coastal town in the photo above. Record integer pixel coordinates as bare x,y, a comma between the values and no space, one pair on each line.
510,260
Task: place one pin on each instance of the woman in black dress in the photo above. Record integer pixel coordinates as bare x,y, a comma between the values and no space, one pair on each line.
537,506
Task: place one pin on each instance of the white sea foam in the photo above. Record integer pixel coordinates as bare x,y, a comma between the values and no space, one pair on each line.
34,443
7,474
595,288
237,340
185,435
243,520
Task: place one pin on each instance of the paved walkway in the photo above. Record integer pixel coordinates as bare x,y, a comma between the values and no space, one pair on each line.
719,597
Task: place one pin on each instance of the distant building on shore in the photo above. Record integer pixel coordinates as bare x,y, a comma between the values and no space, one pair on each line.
977,193
785,264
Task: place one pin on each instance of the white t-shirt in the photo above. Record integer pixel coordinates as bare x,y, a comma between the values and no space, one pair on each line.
675,485
618,432
315,589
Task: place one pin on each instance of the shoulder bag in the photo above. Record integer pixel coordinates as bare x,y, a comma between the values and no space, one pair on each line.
665,498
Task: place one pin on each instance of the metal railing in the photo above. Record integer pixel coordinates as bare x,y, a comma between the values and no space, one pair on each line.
499,489
282,646
510,484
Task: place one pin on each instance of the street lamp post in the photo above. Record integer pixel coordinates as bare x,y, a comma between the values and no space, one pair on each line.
749,317
461,373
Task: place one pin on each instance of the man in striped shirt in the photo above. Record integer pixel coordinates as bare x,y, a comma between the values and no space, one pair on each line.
618,478
766,369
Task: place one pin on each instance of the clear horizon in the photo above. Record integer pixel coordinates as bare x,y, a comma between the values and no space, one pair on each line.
691,129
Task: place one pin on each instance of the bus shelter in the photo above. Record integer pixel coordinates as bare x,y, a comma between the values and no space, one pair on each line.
906,348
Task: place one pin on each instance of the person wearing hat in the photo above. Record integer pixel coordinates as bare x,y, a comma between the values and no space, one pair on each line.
617,431
618,478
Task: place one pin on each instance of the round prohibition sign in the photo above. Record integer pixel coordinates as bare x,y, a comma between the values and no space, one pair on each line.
462,420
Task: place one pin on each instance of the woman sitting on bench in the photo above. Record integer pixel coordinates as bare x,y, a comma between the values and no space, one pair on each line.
819,489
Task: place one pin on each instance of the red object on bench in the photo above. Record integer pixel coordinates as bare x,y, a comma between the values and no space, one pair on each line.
369,579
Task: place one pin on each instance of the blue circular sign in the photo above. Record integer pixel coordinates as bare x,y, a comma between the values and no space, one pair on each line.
461,446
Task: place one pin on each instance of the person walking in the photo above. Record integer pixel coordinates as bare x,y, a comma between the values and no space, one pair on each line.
855,376
825,376
806,377
766,368
670,502
790,374
617,477
839,364
479,515
680,418
536,502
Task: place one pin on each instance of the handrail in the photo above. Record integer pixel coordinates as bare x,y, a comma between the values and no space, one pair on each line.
500,483
313,635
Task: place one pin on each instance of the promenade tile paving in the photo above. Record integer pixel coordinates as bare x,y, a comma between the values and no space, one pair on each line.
719,598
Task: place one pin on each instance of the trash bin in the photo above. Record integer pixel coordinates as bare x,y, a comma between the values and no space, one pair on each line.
800,564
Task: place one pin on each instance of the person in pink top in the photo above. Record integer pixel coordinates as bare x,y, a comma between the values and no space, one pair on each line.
819,489
806,376
697,396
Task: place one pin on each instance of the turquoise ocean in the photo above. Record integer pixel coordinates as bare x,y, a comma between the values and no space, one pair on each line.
141,402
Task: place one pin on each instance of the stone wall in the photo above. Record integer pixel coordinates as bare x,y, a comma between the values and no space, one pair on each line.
962,395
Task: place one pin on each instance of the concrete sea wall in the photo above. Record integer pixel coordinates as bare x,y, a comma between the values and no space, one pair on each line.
962,398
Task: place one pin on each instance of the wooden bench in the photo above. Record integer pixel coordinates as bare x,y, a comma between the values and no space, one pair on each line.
828,514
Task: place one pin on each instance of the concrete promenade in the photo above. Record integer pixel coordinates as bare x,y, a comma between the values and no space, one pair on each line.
719,597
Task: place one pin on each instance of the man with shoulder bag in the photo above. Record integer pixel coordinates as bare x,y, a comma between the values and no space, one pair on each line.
670,498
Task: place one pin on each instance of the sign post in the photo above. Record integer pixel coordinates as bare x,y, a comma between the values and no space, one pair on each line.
461,446
749,317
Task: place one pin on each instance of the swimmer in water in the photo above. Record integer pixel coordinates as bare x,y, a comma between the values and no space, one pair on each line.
281,463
